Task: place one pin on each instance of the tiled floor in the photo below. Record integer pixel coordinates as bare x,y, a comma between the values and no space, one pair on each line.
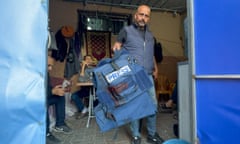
92,135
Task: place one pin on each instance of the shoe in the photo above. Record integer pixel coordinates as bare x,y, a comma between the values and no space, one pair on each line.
164,108
51,139
85,109
155,139
63,128
175,116
136,140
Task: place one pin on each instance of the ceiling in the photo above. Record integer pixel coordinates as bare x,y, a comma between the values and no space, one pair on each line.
176,6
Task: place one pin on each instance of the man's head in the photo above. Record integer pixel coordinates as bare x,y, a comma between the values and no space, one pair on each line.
51,61
142,16
88,59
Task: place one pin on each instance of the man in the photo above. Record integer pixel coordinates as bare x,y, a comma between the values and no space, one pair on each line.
139,41
55,96
87,66
84,76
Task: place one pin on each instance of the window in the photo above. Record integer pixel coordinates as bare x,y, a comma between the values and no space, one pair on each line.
103,21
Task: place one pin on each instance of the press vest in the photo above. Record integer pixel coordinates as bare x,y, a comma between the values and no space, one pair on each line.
140,47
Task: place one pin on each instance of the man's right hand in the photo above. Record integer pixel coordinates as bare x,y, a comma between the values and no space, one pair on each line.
116,46
58,90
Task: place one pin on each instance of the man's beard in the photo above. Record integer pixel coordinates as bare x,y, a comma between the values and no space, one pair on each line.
141,24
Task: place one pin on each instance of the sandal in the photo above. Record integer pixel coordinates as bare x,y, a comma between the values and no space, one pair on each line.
175,116
164,107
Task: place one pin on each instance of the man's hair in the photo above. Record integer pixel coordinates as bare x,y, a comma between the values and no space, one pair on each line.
84,58
50,54
144,6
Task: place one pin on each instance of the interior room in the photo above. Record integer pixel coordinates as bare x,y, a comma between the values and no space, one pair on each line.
88,18
200,47
167,26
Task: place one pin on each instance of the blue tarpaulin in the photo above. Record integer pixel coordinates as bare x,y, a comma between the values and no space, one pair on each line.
216,53
23,41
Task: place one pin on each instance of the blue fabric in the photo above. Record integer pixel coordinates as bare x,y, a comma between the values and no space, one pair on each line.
122,88
176,141
215,56
128,73
24,28
138,108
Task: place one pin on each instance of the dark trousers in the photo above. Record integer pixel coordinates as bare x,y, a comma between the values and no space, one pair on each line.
78,96
59,106
174,96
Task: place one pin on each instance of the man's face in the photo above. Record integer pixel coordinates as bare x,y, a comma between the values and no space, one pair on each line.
142,16
50,63
88,59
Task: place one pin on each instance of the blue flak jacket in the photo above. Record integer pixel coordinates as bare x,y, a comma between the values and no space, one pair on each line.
122,89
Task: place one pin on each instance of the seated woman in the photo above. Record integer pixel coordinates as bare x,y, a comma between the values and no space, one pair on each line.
84,76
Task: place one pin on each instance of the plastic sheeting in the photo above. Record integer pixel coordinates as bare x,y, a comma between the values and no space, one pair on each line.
23,54
216,34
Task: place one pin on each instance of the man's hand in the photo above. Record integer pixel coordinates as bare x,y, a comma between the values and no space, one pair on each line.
116,46
155,71
155,75
58,90
84,63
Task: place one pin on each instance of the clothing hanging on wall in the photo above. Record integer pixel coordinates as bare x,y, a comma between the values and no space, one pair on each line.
60,54
158,52
72,65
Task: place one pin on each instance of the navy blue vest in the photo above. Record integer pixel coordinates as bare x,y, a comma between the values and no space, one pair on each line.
140,47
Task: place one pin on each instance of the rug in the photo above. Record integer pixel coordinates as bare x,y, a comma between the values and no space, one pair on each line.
98,44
